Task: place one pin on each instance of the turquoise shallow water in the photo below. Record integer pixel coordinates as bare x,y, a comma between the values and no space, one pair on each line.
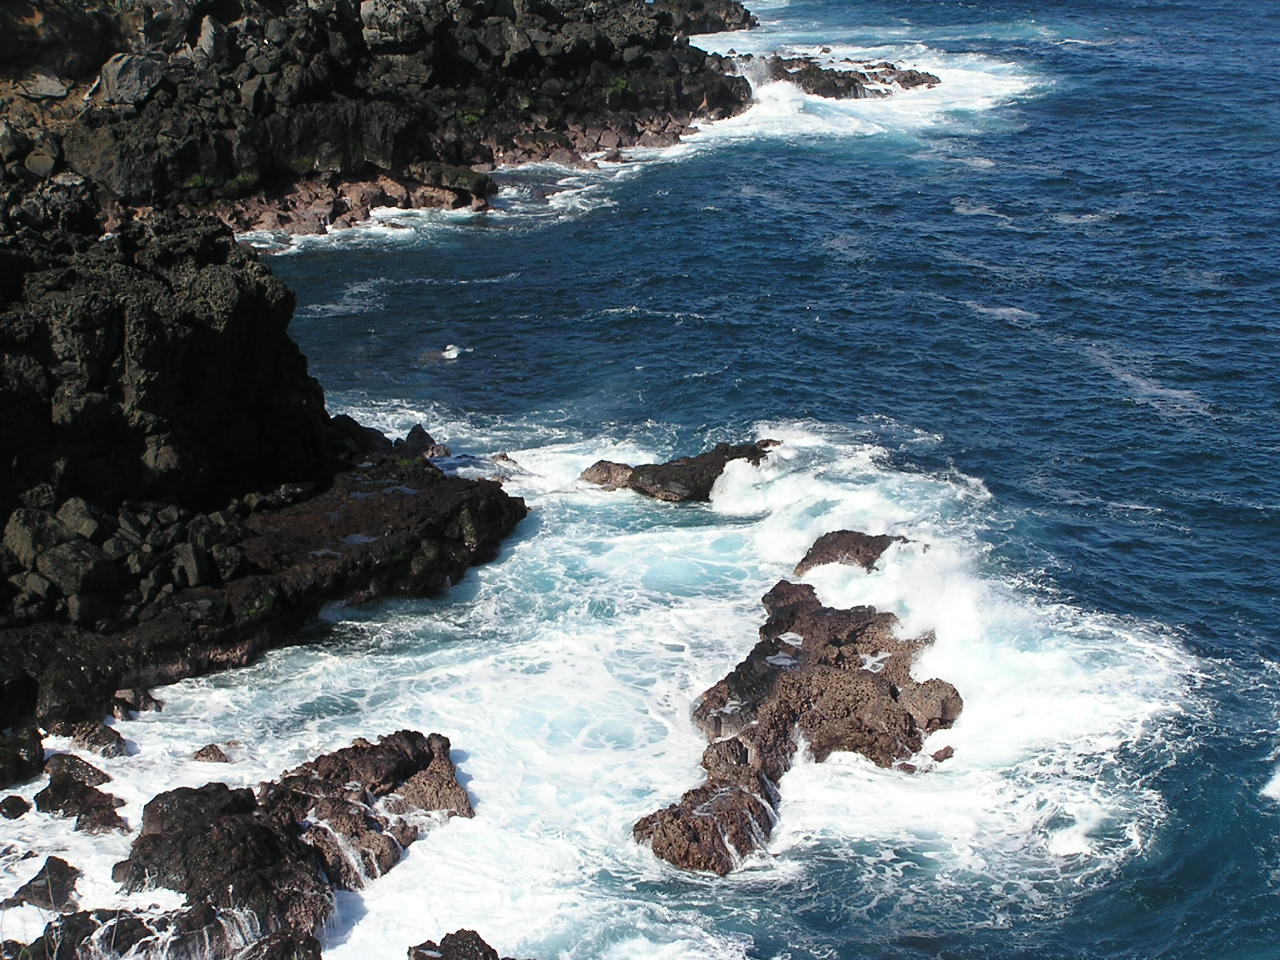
1029,318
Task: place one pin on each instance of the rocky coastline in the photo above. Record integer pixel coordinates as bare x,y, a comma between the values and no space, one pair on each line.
175,499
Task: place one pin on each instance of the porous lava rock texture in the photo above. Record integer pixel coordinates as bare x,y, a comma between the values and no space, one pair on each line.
679,480
259,870
832,679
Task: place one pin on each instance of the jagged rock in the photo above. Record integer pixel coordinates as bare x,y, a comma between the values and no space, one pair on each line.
69,765
459,945
92,735
95,811
410,773
78,567
417,440
711,827
608,474
197,931
841,84
217,846
282,945
212,753
21,756
130,78
52,888
686,478
836,680
29,533
846,546
130,352
13,807
277,854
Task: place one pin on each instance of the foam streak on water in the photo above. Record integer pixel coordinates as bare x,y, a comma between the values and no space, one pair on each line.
565,672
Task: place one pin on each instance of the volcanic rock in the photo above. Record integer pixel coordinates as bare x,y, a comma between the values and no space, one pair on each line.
52,888
217,846
13,807
683,479
338,820
833,679
211,753
69,765
459,945
21,756
91,735
95,811
848,547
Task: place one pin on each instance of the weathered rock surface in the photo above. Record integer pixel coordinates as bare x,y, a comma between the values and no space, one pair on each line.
850,547
459,945
94,810
682,479
839,679
52,888
69,765
153,364
337,821
156,364
211,753
323,104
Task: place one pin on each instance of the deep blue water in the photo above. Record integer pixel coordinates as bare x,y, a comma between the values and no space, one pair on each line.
1071,292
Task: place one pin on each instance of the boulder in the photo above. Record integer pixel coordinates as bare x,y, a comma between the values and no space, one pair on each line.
710,828
459,945
833,679
95,811
91,735
334,821
12,807
52,888
682,479
607,474
217,846
846,546
21,756
130,78
69,765
212,753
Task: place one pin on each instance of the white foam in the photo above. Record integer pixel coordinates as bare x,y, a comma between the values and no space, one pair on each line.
565,674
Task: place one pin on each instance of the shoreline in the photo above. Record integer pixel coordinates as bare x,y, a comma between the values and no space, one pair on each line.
228,523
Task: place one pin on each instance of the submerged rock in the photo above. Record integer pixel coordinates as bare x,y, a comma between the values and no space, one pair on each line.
682,479
835,679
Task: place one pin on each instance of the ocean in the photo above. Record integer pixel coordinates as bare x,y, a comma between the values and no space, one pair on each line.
1027,319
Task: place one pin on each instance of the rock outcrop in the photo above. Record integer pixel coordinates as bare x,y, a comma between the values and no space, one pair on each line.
835,680
52,888
151,392
682,479
259,871
850,547
303,115
846,81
